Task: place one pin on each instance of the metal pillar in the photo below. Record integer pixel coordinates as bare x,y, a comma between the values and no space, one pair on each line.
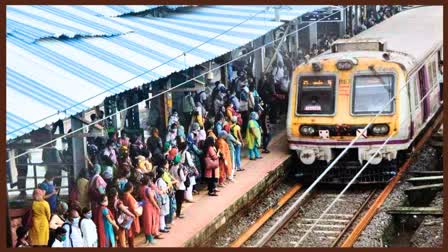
312,29
167,104
79,146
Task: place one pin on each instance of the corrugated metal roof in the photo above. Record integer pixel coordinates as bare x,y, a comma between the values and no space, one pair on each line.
119,10
34,22
54,75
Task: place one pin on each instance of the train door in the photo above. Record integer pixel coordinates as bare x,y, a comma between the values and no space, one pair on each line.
434,88
423,90
416,108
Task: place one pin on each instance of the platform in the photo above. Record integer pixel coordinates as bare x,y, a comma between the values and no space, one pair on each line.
207,214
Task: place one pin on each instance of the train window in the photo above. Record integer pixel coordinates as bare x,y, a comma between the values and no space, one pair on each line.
316,94
371,93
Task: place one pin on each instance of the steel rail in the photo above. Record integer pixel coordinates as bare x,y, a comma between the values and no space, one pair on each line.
265,217
354,218
365,220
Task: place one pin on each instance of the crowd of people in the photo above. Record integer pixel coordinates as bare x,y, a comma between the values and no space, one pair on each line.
137,186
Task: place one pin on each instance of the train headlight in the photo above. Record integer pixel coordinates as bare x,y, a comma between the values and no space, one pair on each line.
380,129
317,67
345,64
307,130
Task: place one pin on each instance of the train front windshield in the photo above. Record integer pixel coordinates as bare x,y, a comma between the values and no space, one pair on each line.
316,94
371,93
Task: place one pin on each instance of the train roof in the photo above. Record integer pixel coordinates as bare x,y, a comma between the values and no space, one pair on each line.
409,36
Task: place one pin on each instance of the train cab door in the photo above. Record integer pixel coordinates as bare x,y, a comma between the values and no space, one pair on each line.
423,87
416,108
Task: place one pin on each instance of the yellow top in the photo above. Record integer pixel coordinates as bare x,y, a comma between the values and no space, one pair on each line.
40,231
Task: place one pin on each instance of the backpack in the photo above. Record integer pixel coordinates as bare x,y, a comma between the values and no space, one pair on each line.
187,176
70,231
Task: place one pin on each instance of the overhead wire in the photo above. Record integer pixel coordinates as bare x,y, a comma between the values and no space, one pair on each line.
183,54
172,88
359,173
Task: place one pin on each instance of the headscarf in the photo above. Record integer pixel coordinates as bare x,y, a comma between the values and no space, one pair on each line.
38,193
195,126
97,169
254,115
166,146
123,150
172,154
181,131
63,206
176,159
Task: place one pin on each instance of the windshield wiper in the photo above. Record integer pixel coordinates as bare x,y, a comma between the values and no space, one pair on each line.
376,74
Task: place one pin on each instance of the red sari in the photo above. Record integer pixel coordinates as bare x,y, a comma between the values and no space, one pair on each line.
99,222
225,163
151,215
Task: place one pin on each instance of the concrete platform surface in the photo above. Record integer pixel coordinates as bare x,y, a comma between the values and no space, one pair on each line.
207,213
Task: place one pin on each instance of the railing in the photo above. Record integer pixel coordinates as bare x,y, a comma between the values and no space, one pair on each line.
35,177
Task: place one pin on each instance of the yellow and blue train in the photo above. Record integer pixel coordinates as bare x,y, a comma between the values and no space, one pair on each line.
336,94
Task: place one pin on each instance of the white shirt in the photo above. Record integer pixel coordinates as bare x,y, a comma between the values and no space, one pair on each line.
90,235
57,244
76,236
180,179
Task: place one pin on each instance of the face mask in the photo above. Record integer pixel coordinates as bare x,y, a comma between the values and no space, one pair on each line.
76,221
88,215
50,182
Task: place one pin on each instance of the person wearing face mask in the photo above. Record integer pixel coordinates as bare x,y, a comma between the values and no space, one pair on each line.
74,233
61,237
50,190
253,136
97,187
88,229
105,223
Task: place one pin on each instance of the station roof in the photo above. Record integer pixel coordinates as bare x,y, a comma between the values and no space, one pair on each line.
59,57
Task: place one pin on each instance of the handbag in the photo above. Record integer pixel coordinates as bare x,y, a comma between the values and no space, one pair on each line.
139,210
124,220
210,163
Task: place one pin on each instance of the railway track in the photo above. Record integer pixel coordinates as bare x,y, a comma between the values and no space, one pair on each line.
334,226
331,227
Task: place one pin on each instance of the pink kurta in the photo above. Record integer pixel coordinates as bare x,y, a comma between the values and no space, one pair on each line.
151,215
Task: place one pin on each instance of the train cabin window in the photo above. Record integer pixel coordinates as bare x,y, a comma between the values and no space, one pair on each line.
416,92
371,93
316,94
432,71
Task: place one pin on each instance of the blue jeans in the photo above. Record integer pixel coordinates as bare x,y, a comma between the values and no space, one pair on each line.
238,156
253,153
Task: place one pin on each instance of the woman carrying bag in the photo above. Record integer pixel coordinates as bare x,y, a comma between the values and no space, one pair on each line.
211,161
134,208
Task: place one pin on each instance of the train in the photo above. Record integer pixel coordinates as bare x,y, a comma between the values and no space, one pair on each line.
336,94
